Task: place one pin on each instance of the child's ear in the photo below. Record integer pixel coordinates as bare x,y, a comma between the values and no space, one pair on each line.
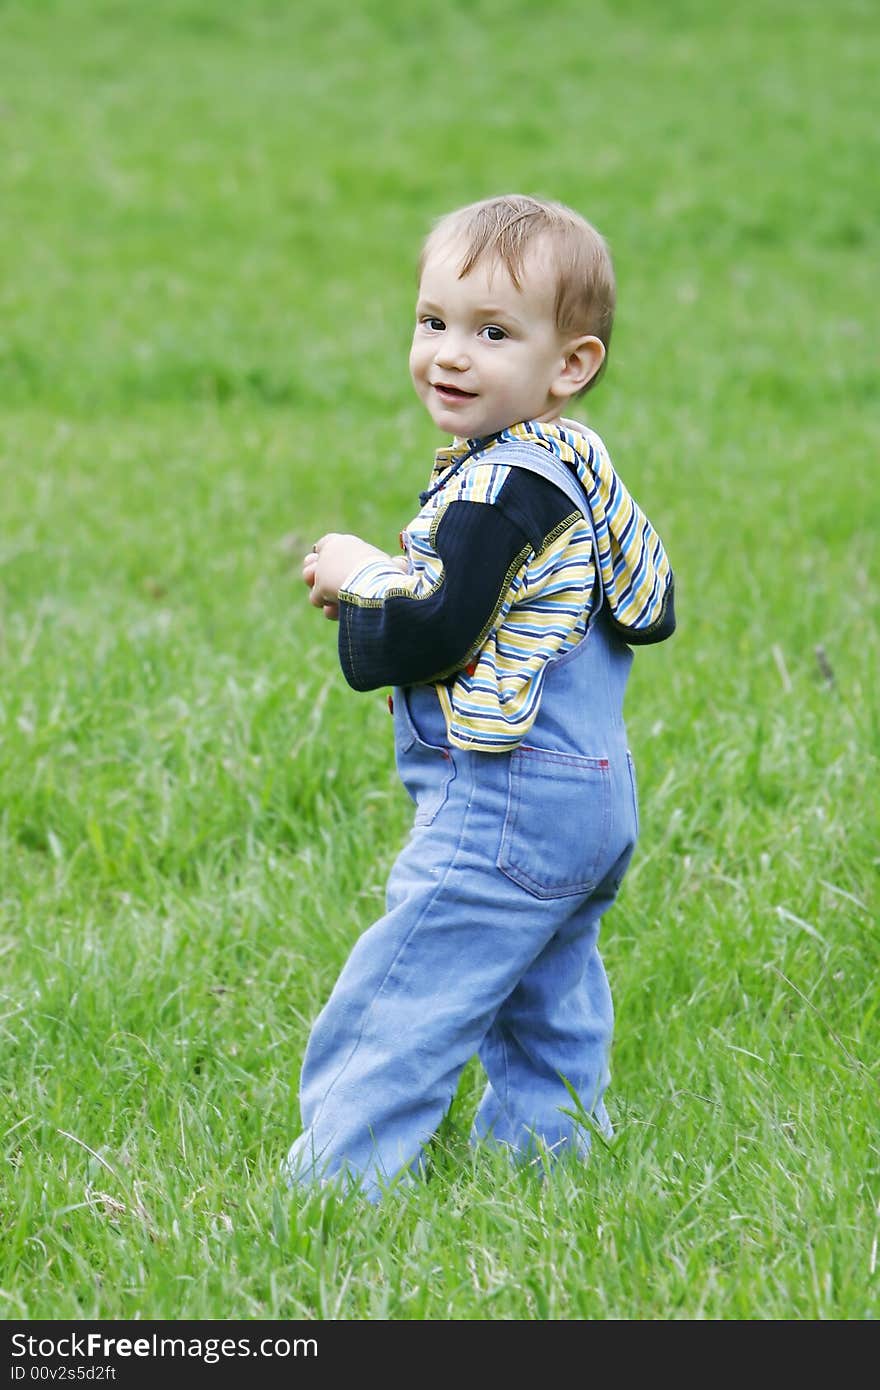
582,360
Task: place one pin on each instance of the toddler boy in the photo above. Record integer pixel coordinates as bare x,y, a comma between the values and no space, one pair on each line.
529,573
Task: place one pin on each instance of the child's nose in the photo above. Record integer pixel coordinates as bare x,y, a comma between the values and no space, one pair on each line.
452,352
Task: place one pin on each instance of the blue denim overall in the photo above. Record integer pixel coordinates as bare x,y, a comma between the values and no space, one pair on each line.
489,940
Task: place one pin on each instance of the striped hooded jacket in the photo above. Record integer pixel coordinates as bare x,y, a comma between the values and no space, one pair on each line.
501,580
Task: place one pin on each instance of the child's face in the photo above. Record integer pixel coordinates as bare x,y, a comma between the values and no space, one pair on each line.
485,354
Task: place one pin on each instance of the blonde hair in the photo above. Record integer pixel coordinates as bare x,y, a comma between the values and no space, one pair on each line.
507,226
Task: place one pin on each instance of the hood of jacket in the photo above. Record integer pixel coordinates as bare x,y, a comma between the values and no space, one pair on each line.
636,573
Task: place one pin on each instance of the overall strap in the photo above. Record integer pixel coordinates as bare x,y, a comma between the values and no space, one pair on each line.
534,459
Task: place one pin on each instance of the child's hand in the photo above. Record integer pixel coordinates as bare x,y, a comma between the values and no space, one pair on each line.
310,565
329,563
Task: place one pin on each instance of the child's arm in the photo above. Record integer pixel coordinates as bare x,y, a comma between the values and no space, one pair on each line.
464,557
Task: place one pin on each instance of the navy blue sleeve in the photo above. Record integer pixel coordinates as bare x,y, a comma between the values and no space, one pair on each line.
413,641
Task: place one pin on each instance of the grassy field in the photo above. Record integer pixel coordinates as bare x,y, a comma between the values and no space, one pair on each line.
210,218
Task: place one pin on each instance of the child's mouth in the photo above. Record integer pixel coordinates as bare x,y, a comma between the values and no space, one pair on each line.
453,393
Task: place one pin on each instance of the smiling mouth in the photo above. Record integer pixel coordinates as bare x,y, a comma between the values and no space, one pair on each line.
453,393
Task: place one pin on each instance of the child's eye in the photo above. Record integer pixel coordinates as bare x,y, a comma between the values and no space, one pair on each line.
434,325
493,333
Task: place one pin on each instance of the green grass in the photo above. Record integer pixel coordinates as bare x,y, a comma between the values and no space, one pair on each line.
210,217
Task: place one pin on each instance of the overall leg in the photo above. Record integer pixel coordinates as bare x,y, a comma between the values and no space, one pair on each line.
557,1022
418,993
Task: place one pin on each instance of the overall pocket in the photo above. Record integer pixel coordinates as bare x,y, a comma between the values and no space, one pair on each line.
426,769
555,837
